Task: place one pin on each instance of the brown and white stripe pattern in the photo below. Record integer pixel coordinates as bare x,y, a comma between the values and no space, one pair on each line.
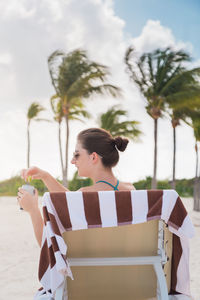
82,210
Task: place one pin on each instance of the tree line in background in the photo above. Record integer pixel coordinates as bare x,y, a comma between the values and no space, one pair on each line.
9,187
167,85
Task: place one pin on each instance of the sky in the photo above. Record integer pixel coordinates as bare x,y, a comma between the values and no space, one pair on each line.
179,16
31,30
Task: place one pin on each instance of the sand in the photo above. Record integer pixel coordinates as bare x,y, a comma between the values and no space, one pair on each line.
19,253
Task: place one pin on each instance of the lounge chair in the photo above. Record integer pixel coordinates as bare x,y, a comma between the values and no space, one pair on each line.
104,262
133,261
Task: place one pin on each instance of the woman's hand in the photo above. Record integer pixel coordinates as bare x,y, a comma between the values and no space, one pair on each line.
27,201
30,204
34,172
51,183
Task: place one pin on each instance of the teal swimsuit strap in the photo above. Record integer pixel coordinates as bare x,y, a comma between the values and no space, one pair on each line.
115,187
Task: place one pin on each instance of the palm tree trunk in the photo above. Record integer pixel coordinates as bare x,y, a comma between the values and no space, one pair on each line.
174,159
60,148
198,182
65,178
196,186
154,180
28,144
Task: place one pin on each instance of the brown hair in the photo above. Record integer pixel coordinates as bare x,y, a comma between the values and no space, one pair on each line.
101,141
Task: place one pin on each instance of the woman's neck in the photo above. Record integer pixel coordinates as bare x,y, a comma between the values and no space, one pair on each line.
104,174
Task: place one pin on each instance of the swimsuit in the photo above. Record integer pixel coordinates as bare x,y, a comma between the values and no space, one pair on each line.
115,187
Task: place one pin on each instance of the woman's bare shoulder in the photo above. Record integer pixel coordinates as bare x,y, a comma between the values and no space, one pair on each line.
87,189
122,186
126,186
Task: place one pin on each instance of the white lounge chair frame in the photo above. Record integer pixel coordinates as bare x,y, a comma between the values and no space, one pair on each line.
157,261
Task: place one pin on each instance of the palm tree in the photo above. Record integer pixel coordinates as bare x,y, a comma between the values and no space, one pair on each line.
196,127
75,114
111,122
177,115
32,114
74,78
152,72
56,106
182,95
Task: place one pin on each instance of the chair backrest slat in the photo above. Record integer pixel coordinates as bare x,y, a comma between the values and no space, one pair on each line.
116,282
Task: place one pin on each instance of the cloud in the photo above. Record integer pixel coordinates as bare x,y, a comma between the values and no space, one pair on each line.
154,36
5,59
53,25
16,9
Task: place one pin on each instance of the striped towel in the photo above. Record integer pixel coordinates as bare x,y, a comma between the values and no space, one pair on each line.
82,210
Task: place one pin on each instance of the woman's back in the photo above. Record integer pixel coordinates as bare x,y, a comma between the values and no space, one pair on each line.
102,186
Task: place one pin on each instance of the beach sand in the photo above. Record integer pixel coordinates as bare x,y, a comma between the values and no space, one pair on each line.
19,252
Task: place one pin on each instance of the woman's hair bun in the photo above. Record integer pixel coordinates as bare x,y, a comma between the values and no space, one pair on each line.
121,143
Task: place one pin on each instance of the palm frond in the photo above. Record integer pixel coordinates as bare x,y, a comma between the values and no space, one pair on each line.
33,110
39,120
75,77
112,121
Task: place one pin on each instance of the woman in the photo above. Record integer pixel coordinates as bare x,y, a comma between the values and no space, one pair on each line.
95,154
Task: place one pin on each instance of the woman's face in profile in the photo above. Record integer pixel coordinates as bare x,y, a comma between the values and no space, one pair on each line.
82,160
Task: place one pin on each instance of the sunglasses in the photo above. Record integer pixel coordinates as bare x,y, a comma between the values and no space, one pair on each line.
75,156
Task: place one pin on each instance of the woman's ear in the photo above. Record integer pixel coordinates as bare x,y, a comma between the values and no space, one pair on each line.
94,156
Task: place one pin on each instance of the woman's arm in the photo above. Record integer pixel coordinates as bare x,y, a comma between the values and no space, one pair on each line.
30,204
51,183
38,225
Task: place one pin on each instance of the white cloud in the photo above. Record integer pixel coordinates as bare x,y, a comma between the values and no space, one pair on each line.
16,9
5,58
154,36
55,9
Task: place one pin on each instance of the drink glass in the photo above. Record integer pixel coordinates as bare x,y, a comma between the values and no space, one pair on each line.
29,188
